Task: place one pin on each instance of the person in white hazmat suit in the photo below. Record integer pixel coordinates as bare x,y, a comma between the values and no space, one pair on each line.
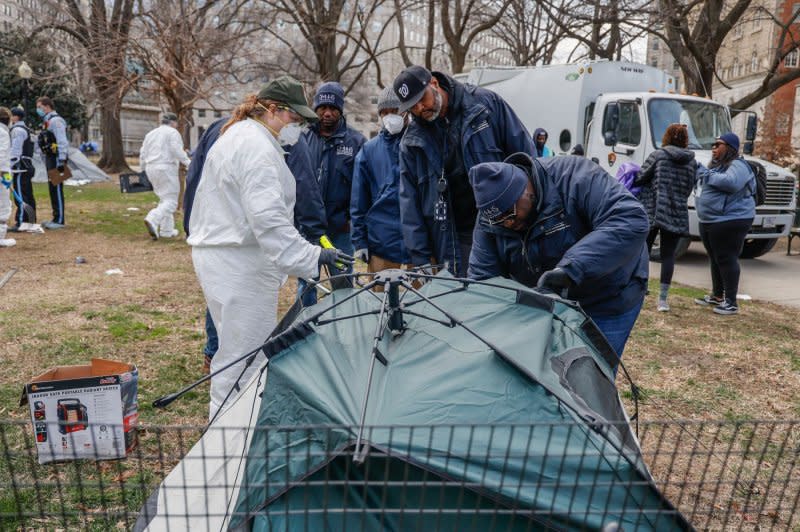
5,178
242,234
161,153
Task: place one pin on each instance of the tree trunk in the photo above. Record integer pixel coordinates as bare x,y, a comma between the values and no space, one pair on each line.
112,156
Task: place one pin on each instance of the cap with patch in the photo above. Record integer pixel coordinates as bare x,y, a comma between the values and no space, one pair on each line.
497,187
410,84
288,90
330,93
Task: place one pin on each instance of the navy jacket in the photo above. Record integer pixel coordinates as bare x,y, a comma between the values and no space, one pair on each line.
375,202
332,159
195,170
588,224
309,213
488,130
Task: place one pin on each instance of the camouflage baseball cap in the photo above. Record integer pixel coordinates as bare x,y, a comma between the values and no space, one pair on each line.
288,90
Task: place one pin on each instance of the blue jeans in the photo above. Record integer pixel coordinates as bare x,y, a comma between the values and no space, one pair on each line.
617,328
342,242
212,340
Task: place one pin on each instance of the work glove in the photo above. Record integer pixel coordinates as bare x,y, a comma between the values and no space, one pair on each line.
60,168
362,255
335,258
555,280
6,180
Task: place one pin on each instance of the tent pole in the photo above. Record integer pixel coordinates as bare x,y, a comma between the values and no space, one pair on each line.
360,453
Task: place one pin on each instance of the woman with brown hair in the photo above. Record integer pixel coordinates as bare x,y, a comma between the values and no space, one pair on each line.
667,178
244,242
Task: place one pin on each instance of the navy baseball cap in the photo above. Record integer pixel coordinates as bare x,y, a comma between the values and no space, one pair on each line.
497,187
409,86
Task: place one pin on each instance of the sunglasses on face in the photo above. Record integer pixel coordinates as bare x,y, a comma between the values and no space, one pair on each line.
506,216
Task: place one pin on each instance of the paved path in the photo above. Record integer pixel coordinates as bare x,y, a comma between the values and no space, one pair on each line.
772,277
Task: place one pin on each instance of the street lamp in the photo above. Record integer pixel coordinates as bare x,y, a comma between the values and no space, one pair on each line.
25,73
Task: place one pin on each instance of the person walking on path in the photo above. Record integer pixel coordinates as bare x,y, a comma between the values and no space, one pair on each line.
666,179
726,208
160,156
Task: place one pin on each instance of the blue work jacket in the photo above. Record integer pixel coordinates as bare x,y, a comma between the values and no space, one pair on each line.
375,203
587,224
487,129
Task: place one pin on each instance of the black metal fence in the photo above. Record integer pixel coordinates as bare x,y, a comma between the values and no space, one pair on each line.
720,475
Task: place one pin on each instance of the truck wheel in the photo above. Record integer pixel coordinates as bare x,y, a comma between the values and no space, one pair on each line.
755,247
683,245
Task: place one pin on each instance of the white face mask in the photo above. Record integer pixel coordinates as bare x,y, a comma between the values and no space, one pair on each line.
290,134
393,123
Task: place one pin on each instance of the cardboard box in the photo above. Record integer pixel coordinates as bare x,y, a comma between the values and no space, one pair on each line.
86,412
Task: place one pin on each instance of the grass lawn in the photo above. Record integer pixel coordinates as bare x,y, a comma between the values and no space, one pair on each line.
689,363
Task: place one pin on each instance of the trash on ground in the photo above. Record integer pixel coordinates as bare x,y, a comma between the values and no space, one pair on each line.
114,271
133,209
744,297
80,260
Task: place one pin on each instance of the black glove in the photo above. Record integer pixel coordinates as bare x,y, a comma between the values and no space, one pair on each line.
60,168
555,280
335,258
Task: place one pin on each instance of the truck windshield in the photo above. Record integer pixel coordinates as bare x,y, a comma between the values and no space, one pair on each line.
705,120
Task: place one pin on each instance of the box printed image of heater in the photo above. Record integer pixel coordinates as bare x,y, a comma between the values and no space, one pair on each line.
72,416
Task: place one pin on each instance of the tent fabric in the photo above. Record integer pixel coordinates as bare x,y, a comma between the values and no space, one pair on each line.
530,432
83,170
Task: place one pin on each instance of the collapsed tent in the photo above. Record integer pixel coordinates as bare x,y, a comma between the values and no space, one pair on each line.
83,170
464,405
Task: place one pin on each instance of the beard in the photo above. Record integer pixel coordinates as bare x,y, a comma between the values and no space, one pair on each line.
437,107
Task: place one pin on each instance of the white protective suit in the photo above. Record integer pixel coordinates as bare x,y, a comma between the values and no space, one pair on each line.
5,198
244,244
160,155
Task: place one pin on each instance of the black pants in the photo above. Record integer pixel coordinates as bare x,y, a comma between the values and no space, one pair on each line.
668,243
723,242
23,185
57,201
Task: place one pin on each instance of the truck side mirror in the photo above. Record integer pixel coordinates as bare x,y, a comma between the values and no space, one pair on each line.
610,123
752,127
748,147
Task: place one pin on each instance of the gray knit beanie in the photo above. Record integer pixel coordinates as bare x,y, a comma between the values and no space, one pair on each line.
388,100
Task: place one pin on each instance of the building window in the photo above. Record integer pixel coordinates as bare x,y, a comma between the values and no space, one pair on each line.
790,61
217,114
754,62
201,113
737,30
655,44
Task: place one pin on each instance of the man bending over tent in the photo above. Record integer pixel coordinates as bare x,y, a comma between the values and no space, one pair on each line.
563,224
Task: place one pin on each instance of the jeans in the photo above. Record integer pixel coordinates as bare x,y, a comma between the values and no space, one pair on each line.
723,242
617,328
212,340
343,243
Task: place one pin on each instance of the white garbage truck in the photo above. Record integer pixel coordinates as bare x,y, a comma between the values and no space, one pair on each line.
618,112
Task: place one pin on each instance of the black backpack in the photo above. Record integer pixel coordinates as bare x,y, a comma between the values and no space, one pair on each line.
760,193
47,142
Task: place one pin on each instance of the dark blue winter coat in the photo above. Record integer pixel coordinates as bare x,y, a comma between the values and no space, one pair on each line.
489,130
332,159
587,224
375,201
207,139
309,211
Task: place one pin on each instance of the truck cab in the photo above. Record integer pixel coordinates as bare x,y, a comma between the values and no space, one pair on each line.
628,127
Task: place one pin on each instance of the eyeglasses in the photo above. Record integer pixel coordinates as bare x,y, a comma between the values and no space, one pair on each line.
504,217
295,116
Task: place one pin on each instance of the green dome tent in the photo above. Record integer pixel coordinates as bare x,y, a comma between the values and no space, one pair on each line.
464,405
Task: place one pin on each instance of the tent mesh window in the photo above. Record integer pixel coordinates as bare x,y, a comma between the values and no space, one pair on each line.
729,475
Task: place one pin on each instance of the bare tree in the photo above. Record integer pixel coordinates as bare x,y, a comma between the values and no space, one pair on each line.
530,35
463,21
103,32
329,39
187,48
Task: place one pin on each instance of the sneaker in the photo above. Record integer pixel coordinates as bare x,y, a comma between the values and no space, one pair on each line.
709,300
173,234
14,229
663,306
53,225
7,242
151,229
726,309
